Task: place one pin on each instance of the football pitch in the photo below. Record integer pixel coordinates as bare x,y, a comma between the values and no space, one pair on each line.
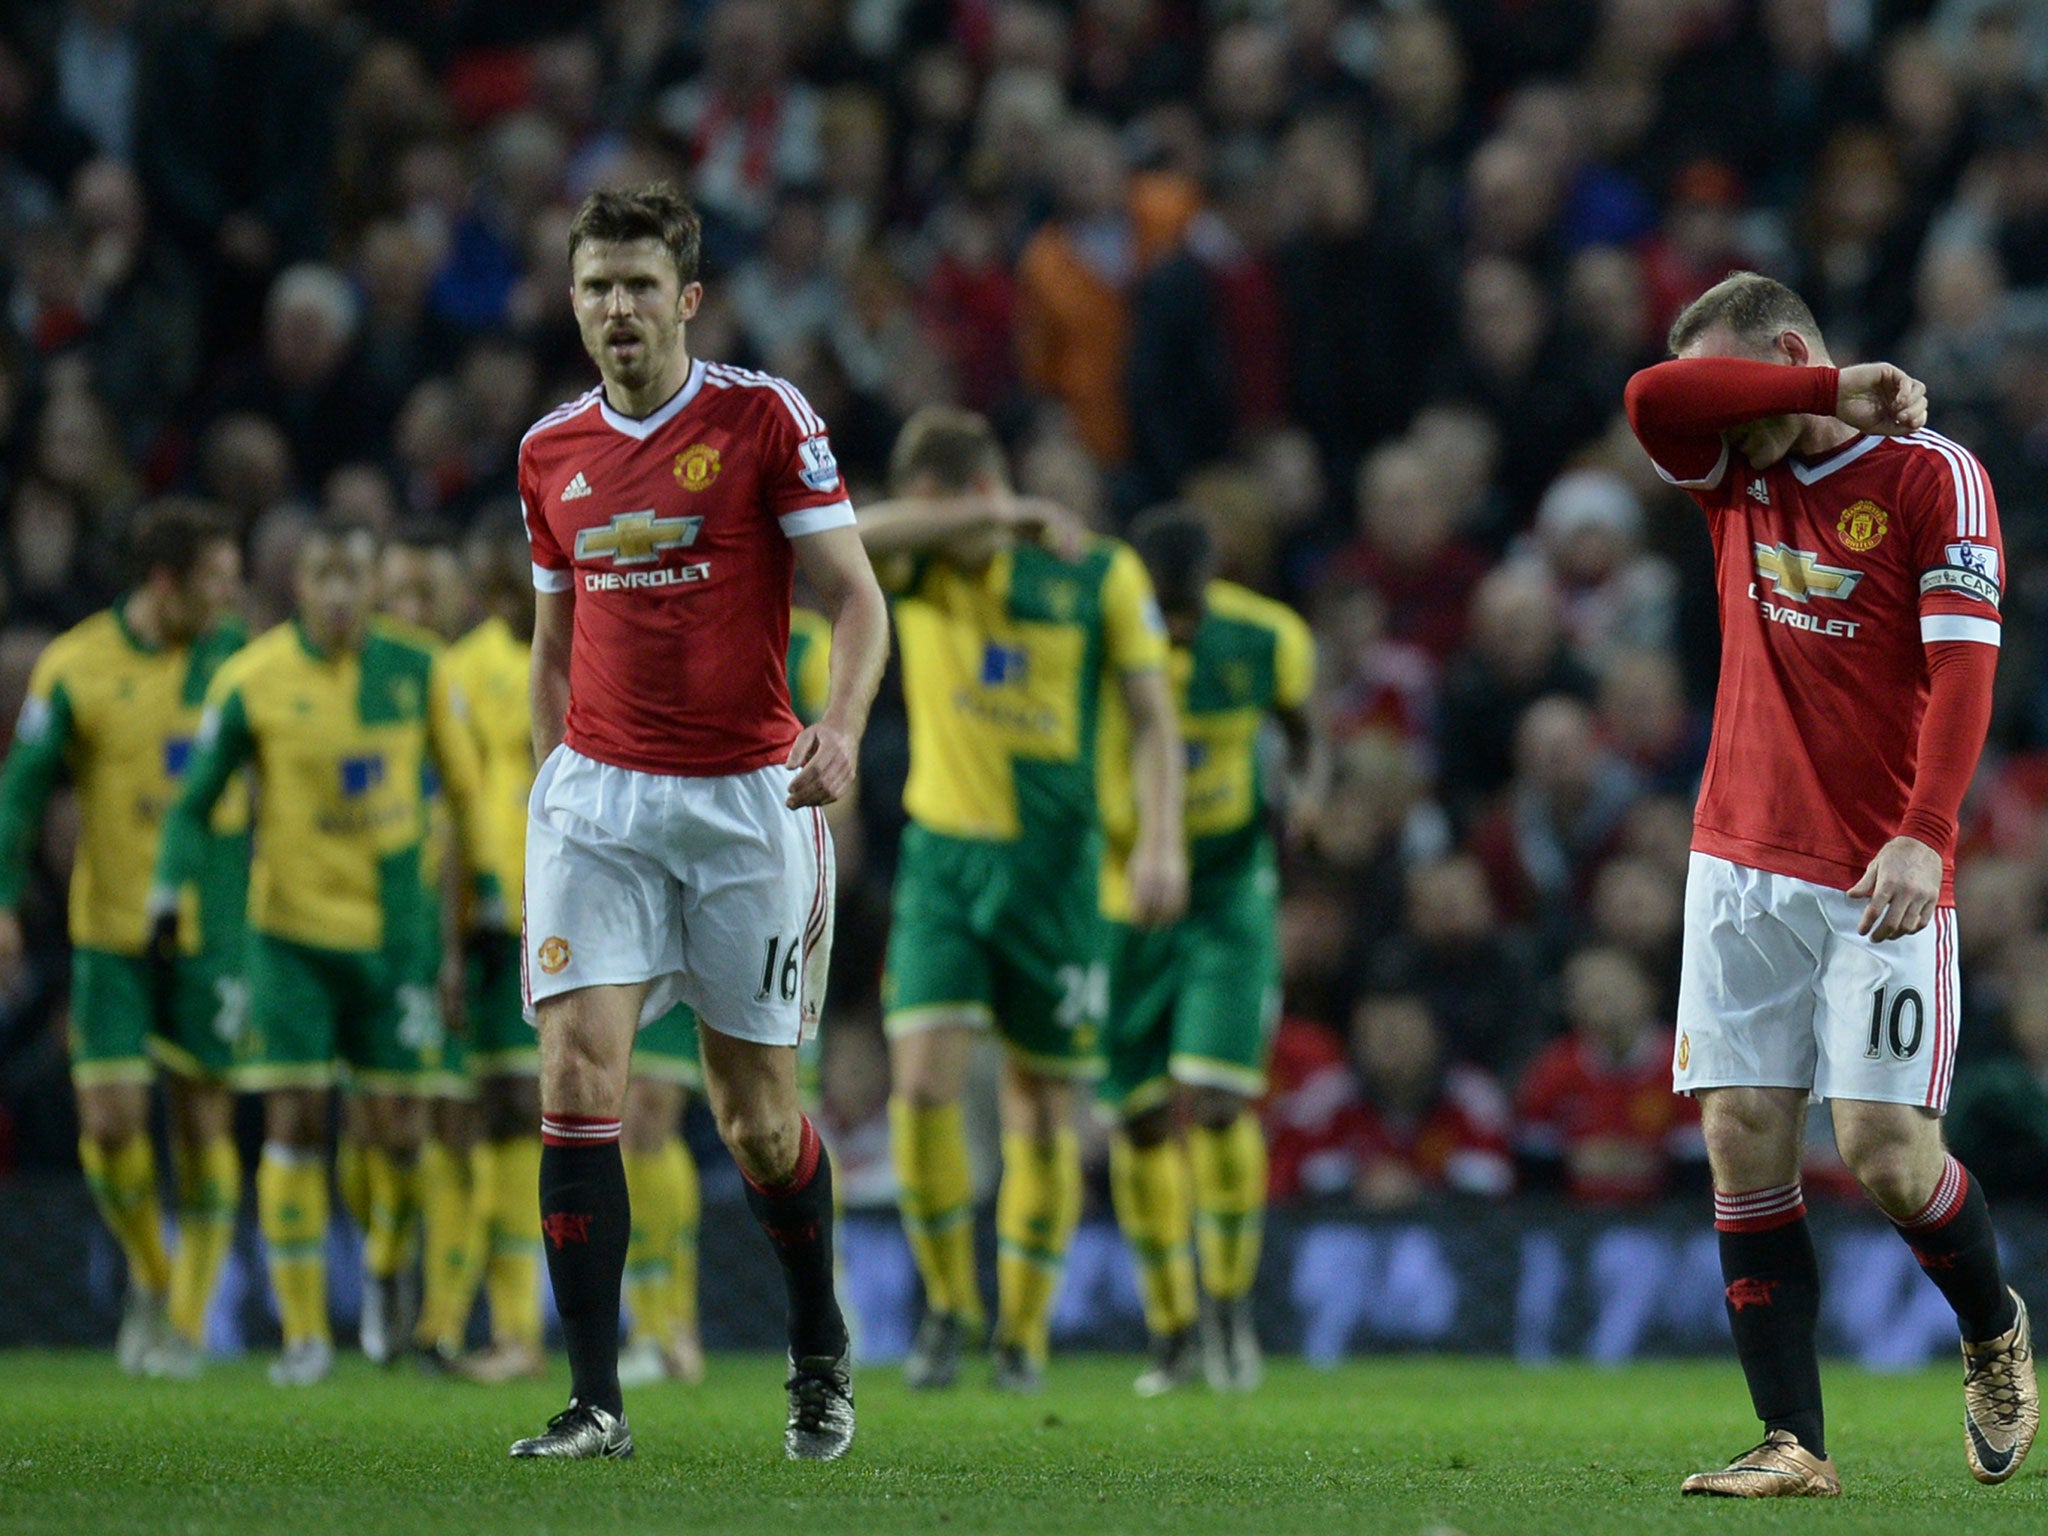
1406,1448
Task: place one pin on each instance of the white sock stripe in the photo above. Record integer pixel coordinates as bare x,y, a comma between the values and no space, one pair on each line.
1948,1194
1758,1202
580,1130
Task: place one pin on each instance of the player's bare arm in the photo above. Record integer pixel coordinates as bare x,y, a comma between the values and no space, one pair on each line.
554,625
1159,863
827,752
1880,398
916,525
1310,767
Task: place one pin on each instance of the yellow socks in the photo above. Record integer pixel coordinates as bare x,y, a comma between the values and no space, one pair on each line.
512,1268
394,1205
1230,1203
451,1243
937,1200
352,1180
123,1183
209,1195
291,1205
651,1246
1150,1188
1037,1209
682,1308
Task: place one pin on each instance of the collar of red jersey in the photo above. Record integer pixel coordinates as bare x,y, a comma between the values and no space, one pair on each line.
1820,469
640,428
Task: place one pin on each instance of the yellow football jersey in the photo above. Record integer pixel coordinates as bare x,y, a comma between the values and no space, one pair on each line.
120,716
1004,673
489,668
1250,658
810,663
339,743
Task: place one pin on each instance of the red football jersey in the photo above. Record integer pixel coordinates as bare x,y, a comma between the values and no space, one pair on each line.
673,531
1616,1124
1835,576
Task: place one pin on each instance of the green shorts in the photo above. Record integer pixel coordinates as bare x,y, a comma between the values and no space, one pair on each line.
313,1010
115,1031
1196,1003
666,1050
497,1039
980,933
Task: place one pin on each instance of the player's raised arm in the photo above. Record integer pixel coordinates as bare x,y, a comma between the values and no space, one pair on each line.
827,752
938,525
1680,409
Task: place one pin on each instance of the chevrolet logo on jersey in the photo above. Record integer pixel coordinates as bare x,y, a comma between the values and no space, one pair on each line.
637,538
1798,575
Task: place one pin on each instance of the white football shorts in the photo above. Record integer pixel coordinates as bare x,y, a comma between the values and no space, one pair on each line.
1777,990
710,889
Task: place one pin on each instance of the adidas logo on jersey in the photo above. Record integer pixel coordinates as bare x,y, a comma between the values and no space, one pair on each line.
577,487
1758,491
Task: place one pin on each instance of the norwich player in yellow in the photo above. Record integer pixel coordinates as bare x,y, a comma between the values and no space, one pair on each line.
1192,1006
1010,647
661,1176
115,701
489,667
339,714
421,584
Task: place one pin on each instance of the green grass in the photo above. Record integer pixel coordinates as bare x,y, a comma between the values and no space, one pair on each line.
1403,1448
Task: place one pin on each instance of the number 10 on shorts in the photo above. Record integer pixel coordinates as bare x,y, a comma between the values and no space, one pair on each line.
787,980
1888,1026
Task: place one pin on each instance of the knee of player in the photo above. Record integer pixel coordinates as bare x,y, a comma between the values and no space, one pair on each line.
762,1143
1895,1166
1149,1128
1214,1109
578,1077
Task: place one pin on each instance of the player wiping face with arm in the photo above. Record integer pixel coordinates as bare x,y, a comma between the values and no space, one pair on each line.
1765,402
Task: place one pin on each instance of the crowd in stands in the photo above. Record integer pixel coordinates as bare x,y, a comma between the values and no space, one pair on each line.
1361,280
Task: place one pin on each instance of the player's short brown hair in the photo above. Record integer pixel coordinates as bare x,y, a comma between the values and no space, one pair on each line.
656,211
946,444
173,533
1756,308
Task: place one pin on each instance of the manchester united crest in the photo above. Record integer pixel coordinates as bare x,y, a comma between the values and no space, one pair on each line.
554,954
696,467
1863,525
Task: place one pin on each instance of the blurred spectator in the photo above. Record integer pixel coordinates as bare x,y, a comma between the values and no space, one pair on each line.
1478,974
52,578
788,294
1514,655
1408,550
1372,683
245,464
1355,349
1998,1109
234,128
1560,816
1075,278
1388,1123
745,127
1639,907
1614,595
97,64
1595,1111
1646,721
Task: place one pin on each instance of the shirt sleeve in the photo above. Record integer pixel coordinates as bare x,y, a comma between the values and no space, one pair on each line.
1294,662
41,734
1132,627
1957,544
805,491
553,571
1680,409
